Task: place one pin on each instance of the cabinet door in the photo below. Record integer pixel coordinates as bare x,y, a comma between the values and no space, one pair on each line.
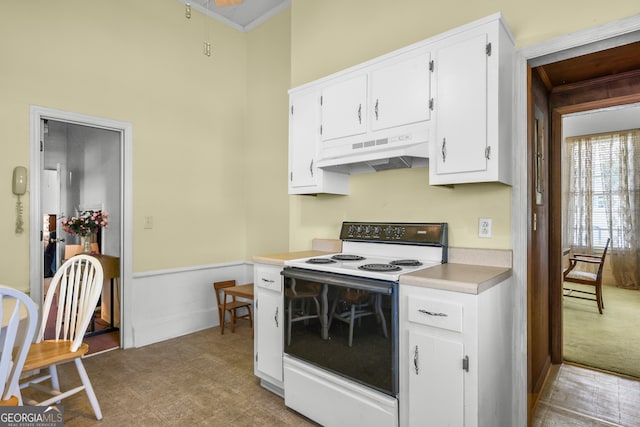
400,93
269,333
344,108
303,138
436,381
461,106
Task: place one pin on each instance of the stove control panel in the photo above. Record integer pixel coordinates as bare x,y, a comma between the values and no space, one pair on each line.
432,234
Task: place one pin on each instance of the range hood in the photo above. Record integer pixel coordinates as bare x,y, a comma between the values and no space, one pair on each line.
399,152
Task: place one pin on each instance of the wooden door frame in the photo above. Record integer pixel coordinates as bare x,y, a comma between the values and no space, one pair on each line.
591,38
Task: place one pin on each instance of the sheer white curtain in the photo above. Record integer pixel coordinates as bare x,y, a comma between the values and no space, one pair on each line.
602,199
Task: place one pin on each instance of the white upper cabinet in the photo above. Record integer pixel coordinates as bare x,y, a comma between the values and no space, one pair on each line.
304,133
447,99
344,107
472,106
400,92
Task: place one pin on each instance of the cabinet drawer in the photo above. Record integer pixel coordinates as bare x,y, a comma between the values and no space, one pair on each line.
436,313
268,279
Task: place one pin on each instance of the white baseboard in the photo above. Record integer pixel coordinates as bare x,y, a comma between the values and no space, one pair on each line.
171,303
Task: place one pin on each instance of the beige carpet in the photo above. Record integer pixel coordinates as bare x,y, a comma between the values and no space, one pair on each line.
610,341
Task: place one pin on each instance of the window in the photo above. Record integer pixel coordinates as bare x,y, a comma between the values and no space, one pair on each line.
603,174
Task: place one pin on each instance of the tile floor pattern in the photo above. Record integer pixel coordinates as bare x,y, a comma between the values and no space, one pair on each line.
206,379
200,379
578,397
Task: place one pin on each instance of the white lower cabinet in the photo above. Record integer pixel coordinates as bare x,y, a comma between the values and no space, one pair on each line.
455,357
268,341
435,381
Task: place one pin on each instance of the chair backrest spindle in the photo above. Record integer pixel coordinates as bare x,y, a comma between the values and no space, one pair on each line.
77,284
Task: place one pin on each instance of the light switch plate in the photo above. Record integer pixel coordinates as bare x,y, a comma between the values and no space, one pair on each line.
484,228
148,222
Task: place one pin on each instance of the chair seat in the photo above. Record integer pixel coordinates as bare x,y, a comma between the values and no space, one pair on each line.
46,353
289,294
12,401
581,275
231,305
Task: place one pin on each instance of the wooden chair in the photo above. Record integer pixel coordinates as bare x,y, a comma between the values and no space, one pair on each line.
76,286
356,305
19,316
227,303
582,277
299,297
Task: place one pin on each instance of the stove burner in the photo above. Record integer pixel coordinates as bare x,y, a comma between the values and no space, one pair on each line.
347,257
379,267
407,262
319,261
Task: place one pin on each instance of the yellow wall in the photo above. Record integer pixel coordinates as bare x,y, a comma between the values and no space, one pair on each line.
209,133
132,61
267,137
330,35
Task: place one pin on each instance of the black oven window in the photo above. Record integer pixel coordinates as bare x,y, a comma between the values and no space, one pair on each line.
346,330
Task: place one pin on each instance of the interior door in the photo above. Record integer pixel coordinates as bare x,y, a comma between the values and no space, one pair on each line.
539,315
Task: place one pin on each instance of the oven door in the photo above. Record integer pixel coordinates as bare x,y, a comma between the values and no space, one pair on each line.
345,324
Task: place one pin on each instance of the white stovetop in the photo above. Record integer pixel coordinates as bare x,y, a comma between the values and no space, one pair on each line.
428,256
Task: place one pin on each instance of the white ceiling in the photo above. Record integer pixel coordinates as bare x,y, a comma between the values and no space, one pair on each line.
243,17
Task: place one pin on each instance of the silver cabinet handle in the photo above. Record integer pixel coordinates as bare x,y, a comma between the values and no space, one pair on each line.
311,168
444,150
276,317
360,113
433,313
376,109
487,152
267,280
415,360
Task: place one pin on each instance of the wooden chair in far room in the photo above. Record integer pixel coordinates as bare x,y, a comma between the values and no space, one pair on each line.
583,277
230,304
76,288
19,318
299,297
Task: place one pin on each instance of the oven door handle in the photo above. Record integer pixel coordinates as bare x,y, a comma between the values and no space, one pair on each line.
364,283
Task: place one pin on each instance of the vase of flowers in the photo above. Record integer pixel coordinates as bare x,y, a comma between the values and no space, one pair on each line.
86,225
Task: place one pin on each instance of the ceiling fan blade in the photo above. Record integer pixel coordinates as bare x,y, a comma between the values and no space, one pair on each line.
222,3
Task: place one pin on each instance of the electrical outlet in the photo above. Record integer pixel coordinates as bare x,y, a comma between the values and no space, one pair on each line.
484,228
148,222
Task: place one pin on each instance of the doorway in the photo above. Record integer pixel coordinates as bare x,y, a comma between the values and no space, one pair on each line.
87,162
564,97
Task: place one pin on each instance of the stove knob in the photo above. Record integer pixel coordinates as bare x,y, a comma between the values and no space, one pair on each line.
352,228
359,229
376,230
367,229
399,231
387,231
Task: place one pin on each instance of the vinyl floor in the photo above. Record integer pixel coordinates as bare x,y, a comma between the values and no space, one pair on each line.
200,379
206,379
579,397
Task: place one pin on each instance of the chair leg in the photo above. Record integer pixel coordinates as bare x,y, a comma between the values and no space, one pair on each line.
381,319
88,388
351,321
599,298
55,383
221,320
233,321
289,323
